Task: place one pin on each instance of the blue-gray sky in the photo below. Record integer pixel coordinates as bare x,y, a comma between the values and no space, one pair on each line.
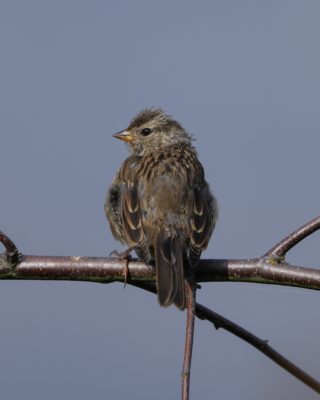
243,77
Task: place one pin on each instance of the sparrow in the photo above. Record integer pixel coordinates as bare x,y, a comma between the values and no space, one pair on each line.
160,204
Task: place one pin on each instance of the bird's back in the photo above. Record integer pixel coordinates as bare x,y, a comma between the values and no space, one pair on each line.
165,184
160,203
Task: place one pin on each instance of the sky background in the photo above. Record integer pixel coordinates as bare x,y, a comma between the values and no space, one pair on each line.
243,77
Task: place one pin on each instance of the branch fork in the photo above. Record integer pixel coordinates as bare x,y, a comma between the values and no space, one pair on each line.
271,268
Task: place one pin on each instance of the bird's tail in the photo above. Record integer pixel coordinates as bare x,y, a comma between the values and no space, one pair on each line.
170,270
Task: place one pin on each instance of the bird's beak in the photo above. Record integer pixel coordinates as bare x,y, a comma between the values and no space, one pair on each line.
124,135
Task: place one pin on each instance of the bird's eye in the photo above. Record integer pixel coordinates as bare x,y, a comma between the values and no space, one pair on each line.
146,131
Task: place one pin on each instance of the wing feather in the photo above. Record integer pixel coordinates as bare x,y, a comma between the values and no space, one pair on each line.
202,222
132,220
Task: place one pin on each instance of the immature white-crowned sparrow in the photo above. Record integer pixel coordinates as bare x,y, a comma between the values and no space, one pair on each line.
159,202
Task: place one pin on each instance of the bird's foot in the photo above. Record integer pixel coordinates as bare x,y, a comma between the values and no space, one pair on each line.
123,255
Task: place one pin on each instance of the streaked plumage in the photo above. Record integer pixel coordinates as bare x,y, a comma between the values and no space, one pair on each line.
159,202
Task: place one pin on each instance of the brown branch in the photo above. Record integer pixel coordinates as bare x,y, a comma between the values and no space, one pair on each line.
106,270
262,345
219,321
186,370
269,269
12,254
281,248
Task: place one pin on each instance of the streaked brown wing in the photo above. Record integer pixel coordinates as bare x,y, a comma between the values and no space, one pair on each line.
132,221
130,211
202,223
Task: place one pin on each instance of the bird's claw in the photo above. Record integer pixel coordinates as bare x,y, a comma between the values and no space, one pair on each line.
126,256
121,254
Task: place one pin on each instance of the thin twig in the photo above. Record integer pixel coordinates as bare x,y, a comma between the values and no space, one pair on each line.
8,243
262,345
219,321
186,370
12,252
259,270
281,248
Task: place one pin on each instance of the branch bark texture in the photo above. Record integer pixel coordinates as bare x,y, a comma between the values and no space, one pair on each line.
271,268
262,270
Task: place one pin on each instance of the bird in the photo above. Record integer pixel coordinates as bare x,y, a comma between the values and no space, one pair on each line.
160,204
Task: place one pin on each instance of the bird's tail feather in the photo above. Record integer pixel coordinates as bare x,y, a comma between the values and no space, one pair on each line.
170,270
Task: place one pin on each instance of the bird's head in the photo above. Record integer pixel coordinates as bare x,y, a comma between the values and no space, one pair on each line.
153,130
